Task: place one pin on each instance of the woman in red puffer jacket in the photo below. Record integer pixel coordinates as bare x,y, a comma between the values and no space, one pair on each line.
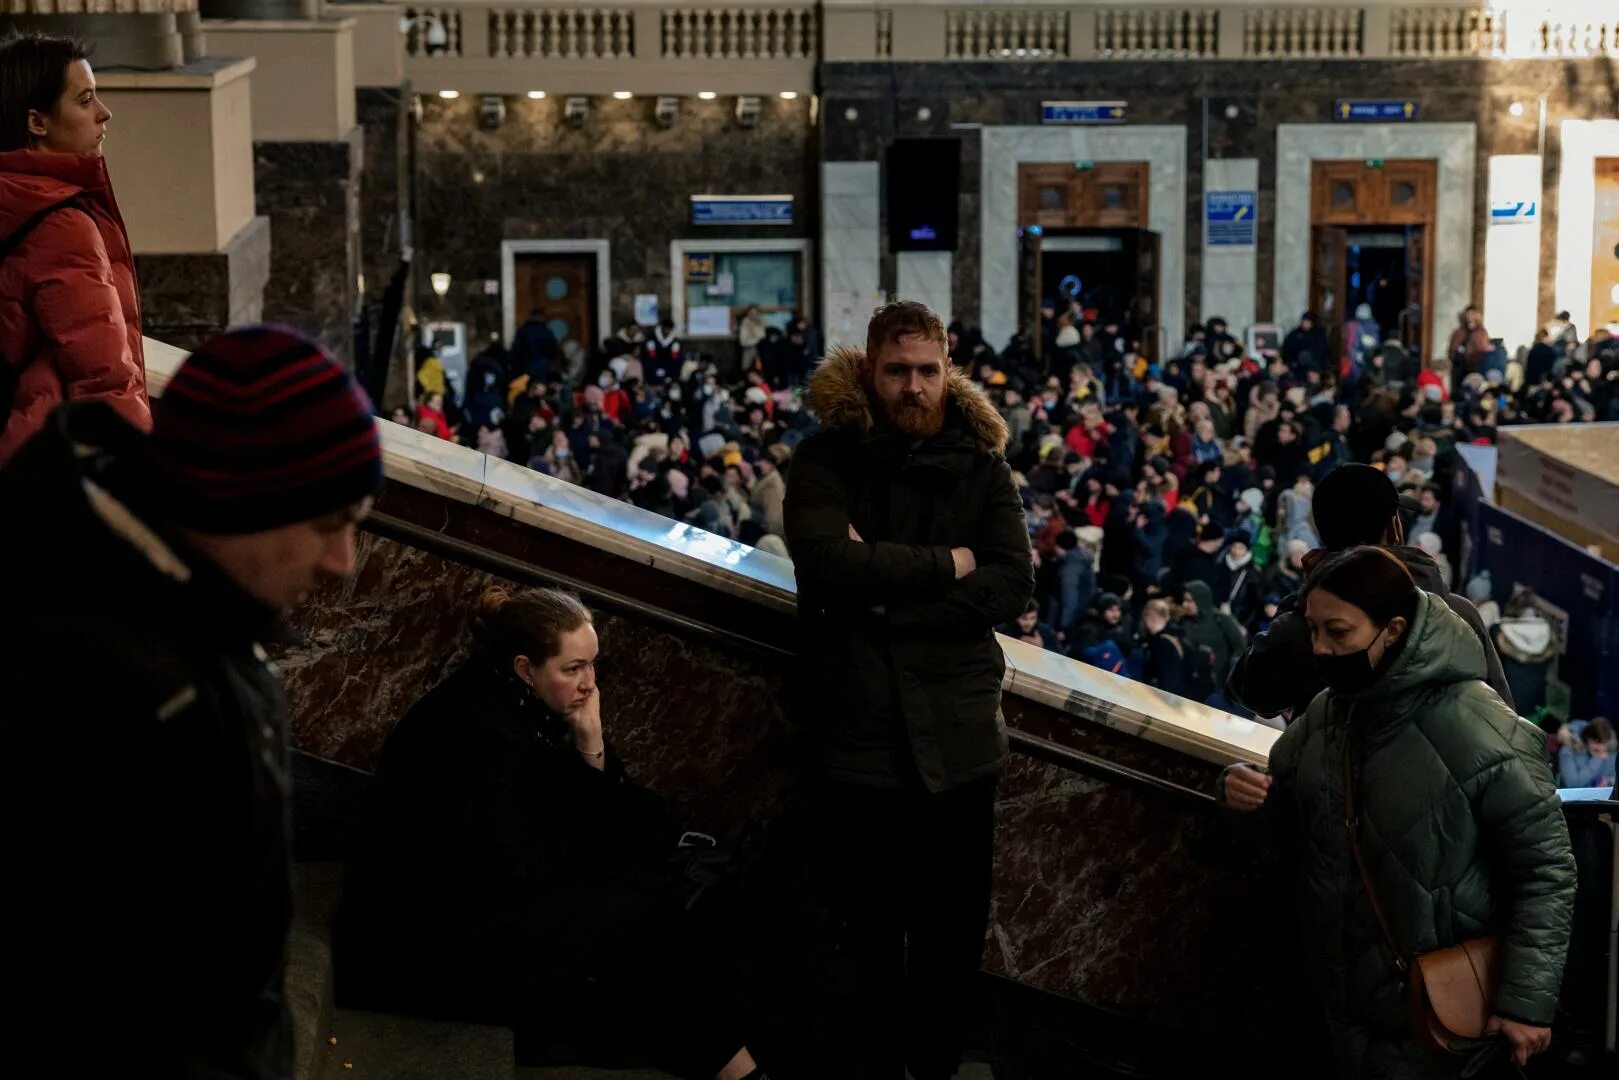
69,308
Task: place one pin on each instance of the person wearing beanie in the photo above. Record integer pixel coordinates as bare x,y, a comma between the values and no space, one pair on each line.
1075,579
152,821
1354,506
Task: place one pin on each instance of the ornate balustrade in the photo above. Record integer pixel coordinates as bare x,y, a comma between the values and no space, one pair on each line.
1006,34
1169,33
646,46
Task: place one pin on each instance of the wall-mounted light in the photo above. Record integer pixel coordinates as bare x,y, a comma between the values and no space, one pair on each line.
622,95
449,95
536,95
441,284
706,95
747,110
576,110
851,114
789,95
1516,108
666,111
924,114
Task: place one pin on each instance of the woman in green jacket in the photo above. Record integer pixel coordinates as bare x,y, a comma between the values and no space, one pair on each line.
1458,819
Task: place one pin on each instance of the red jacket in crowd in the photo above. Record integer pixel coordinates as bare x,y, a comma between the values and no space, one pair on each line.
70,316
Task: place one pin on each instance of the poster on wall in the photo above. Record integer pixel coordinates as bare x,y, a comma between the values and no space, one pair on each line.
646,309
1230,217
699,268
709,321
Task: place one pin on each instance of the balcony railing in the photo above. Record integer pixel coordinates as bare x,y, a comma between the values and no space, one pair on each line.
635,46
1171,33
654,46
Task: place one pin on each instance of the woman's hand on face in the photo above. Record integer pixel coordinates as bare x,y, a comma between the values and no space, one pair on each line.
1526,1039
1246,788
586,723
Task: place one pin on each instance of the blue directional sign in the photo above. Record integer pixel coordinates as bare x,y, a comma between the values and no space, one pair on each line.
741,209
1514,211
1365,111
1229,218
1082,112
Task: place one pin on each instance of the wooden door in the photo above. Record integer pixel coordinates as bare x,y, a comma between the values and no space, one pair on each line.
1605,247
563,289
1082,195
1329,283
1146,308
1030,276
1374,193
1047,195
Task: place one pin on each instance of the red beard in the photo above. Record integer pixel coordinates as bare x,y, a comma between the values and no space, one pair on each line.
909,416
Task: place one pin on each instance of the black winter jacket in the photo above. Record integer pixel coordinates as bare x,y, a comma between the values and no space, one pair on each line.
495,861
902,672
145,814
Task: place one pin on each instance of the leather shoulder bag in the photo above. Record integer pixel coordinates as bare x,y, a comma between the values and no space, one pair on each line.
1451,991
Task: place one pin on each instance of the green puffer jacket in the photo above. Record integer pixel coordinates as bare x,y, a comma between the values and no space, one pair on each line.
1461,828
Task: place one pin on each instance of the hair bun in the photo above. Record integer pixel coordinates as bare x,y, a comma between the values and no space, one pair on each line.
487,609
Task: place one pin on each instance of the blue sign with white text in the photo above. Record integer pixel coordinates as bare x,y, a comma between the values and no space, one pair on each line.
1229,218
1082,112
741,209
1350,110
1513,211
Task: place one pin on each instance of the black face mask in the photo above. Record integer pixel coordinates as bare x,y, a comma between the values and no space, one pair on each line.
1348,673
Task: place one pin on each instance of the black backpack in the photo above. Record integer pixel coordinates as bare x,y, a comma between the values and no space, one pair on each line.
11,373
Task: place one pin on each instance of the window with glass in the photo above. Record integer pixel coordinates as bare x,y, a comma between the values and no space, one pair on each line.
738,280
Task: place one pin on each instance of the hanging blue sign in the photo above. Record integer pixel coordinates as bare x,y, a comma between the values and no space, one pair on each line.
1350,110
1513,211
741,209
1229,218
1082,112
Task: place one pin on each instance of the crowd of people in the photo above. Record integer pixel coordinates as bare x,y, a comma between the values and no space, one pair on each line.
1170,501
1227,527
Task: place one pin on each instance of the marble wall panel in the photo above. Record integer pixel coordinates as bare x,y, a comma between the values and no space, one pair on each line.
187,299
851,272
310,191
1104,894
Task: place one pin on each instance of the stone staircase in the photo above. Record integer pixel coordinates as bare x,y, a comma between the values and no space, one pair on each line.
349,1044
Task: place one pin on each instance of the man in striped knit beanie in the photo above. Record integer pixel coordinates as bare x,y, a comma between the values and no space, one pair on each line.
146,817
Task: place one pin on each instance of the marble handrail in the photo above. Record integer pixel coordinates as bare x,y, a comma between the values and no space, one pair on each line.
456,472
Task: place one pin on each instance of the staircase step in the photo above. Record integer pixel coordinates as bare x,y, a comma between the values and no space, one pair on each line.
382,1046
581,1072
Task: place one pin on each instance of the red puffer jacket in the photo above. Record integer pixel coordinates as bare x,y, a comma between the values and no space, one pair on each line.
69,311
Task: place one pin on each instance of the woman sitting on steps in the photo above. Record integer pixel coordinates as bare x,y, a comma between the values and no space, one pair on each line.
511,872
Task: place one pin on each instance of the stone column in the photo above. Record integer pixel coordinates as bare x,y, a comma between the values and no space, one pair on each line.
179,150
308,154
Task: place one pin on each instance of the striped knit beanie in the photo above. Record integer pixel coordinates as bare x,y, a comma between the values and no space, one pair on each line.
261,428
